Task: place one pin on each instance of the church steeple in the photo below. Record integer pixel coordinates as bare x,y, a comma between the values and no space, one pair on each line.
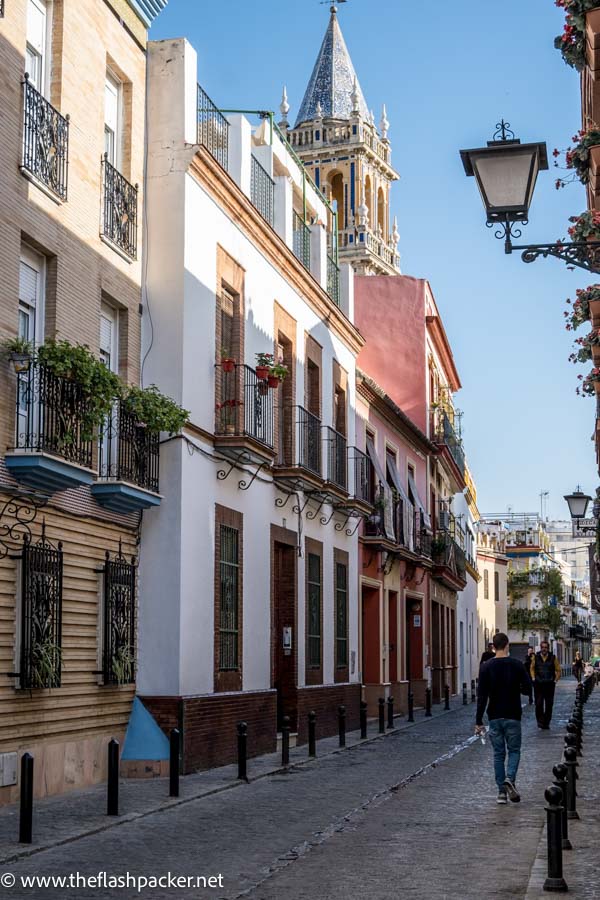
333,82
337,139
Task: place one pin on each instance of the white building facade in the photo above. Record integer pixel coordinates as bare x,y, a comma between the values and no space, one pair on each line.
249,570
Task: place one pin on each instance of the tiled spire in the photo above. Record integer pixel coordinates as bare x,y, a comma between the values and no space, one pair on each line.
333,80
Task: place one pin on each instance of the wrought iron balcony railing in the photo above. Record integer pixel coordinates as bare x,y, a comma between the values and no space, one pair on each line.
45,141
364,480
446,552
336,455
246,406
50,416
445,433
262,190
333,280
213,129
119,209
128,451
423,537
308,440
301,240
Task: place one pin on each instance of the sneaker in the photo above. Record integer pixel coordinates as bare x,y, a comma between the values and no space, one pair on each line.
501,798
511,790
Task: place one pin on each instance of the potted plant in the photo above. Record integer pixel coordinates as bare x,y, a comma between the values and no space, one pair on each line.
153,410
264,362
571,42
227,415
227,361
579,157
590,384
587,348
277,373
19,352
585,306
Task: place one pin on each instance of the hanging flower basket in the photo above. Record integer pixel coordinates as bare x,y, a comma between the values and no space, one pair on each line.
21,362
262,372
276,374
571,42
580,311
273,381
587,348
228,364
590,385
581,157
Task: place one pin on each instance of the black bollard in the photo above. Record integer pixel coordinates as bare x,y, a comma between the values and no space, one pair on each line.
571,741
26,811
411,706
576,723
428,701
381,715
174,763
573,730
571,766
285,741
464,693
242,742
473,695
554,881
312,733
446,696
342,725
560,780
390,712
363,719
112,804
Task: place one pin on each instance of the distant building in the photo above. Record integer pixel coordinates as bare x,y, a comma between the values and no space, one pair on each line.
492,595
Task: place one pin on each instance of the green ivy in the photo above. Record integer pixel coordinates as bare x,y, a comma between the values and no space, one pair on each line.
547,582
524,619
153,410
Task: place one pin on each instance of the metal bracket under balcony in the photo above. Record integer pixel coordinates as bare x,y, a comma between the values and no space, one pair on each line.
52,450
244,426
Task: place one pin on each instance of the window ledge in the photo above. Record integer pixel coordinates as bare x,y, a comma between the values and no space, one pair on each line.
116,249
40,184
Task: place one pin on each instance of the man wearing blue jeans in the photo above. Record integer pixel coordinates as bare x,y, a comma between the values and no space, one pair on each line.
502,680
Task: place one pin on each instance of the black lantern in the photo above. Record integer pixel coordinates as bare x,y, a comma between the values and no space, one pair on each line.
578,503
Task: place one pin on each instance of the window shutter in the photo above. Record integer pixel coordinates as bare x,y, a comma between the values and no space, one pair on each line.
28,284
36,25
106,334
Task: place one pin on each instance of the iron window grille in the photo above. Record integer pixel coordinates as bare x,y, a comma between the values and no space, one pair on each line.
119,209
314,610
229,584
213,129
41,613
341,614
118,650
128,451
262,190
246,407
301,240
50,414
337,457
308,441
45,141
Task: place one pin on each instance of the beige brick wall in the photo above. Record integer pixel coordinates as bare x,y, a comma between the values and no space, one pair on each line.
72,722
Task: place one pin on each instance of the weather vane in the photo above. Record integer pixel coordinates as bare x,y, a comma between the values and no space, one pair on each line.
333,7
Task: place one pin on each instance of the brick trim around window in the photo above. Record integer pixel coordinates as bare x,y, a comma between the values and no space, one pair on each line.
341,670
228,679
314,673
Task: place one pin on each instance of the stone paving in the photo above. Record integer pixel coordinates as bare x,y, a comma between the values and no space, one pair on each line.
410,815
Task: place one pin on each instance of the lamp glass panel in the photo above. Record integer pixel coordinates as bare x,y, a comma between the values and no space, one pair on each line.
578,504
504,178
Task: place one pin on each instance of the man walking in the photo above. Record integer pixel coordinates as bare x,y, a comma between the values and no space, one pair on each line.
545,672
487,654
502,680
527,664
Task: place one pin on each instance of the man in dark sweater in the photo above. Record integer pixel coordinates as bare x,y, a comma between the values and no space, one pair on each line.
487,654
545,671
502,680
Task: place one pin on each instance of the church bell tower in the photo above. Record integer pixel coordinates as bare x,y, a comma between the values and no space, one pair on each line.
347,156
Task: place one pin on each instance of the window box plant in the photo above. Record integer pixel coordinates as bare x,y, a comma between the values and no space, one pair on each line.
264,363
19,352
227,361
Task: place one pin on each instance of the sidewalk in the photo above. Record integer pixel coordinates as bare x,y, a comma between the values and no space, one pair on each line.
65,818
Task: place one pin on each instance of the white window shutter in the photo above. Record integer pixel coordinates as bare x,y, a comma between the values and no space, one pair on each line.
28,284
36,25
106,334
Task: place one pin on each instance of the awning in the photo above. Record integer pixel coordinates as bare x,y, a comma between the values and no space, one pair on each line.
418,501
408,510
388,511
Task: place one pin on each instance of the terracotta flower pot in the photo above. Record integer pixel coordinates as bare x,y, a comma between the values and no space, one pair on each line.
273,381
595,313
21,362
596,354
262,372
228,364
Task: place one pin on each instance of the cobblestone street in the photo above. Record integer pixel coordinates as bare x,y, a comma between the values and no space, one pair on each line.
413,814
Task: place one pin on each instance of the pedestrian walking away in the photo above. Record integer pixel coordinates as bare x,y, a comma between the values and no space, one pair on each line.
502,680
545,672
527,664
578,666
487,654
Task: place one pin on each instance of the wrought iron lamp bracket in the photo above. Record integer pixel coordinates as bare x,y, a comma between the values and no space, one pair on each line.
583,254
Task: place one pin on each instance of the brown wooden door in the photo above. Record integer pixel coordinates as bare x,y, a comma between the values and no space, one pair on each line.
284,617
414,639
393,634
371,646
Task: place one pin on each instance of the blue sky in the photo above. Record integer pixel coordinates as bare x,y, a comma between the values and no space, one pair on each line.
447,73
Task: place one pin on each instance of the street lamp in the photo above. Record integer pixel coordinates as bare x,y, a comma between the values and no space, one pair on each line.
578,504
506,173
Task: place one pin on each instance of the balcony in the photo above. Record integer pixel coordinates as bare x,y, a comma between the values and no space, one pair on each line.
213,129
449,561
244,423
364,480
446,437
45,143
128,464
53,448
301,466
262,190
400,528
336,461
333,279
119,210
301,240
